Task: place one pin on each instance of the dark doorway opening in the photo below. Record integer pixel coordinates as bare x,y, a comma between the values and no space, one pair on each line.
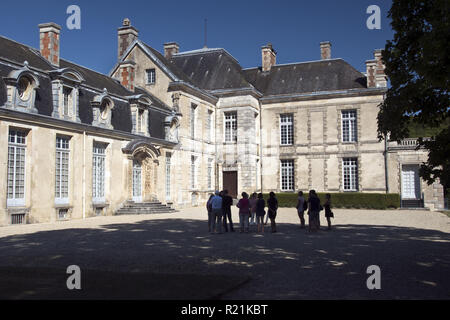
230,182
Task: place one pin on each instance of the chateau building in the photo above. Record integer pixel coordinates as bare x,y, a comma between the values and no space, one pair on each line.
175,126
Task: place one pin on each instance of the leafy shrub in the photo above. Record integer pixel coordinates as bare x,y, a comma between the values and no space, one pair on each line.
355,200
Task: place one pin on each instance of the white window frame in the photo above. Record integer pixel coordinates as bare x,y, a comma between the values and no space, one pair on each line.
287,176
98,172
62,153
150,75
194,172
140,120
193,119
209,174
209,125
16,148
286,129
168,169
69,103
350,174
230,126
349,125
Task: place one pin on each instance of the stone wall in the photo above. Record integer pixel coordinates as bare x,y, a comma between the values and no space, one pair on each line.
318,149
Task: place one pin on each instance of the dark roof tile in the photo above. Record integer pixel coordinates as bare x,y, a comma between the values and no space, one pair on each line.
307,77
211,69
20,53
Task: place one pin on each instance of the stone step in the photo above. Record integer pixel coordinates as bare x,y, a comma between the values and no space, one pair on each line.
412,203
153,207
146,209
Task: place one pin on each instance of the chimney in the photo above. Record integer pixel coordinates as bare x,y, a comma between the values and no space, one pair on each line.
380,76
126,35
49,42
376,78
127,74
170,48
325,50
370,73
269,57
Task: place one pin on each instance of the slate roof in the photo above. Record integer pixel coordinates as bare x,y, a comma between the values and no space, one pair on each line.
121,114
211,69
12,50
306,77
97,80
171,66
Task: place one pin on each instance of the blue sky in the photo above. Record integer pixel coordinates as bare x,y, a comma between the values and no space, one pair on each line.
295,28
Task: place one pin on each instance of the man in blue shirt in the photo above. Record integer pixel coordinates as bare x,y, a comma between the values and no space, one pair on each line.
216,207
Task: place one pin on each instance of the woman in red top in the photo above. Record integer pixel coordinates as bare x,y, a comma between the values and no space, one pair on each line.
244,211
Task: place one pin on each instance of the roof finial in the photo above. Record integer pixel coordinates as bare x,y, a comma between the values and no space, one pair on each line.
126,22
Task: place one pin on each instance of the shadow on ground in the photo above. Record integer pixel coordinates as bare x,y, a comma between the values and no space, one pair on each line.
178,259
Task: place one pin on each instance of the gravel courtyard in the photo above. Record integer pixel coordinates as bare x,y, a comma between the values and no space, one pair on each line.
172,256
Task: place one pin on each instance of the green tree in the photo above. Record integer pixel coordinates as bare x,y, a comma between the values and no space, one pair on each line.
417,64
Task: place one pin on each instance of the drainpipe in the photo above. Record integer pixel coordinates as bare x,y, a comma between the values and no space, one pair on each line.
216,165
260,147
84,174
386,175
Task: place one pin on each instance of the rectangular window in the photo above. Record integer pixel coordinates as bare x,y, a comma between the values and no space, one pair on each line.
193,120
287,175
151,76
67,94
134,120
209,126
98,172
63,214
62,170
18,218
350,174
140,121
16,168
193,172
286,129
168,164
230,127
349,129
210,171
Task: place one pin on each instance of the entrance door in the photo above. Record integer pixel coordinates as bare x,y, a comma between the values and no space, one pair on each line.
410,182
230,183
137,181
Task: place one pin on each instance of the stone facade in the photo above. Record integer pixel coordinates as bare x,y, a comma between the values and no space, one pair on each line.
176,126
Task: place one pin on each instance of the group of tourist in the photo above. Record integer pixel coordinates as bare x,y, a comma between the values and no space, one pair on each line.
252,208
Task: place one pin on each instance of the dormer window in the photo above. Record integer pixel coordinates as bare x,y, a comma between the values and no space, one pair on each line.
105,107
21,89
139,106
139,120
67,97
24,88
102,107
65,84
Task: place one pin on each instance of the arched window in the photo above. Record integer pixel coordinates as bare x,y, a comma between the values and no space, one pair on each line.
21,89
102,106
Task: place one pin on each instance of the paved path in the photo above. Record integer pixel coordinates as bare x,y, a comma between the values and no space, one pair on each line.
412,248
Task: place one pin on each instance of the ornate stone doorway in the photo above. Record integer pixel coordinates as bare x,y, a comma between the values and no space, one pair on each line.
137,181
142,173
